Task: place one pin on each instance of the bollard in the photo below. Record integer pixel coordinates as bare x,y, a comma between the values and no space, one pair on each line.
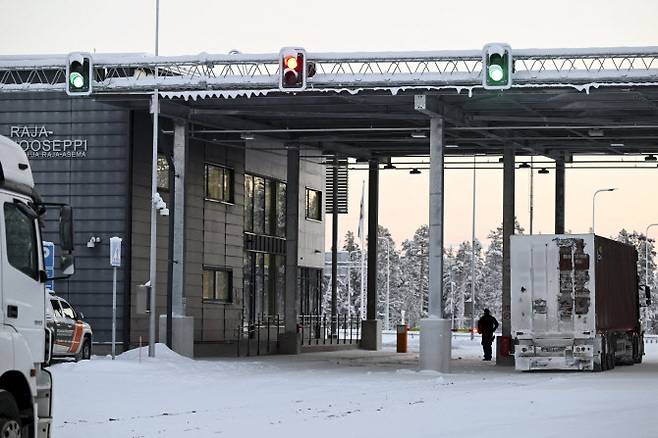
403,330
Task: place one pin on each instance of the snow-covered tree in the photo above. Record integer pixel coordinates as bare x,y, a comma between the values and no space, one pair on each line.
639,241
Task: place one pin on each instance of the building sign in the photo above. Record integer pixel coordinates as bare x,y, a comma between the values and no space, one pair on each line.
38,142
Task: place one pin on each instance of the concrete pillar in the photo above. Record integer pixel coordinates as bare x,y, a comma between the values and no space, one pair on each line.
290,341
371,336
180,326
435,335
508,230
559,196
334,248
178,269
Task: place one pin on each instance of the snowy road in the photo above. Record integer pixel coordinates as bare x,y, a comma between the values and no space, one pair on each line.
348,394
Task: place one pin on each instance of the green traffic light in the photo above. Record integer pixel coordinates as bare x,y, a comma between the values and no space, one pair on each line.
497,69
76,80
496,73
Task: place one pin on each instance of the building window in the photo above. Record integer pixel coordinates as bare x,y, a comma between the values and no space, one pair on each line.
163,172
313,204
217,285
265,206
219,183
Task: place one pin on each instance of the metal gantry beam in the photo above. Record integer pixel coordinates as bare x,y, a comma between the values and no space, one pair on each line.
238,74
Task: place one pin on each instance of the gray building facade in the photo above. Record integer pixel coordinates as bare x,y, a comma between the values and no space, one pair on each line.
96,156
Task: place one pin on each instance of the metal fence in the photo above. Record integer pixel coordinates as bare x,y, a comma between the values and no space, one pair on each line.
323,329
259,336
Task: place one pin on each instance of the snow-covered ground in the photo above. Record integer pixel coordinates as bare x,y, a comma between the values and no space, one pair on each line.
348,394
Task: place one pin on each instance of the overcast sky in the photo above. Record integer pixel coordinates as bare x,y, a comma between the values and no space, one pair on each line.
193,26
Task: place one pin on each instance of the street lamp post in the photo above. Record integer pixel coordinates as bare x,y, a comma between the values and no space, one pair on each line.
473,257
594,204
155,108
646,261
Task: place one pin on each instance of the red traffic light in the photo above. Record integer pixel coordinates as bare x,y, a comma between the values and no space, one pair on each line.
292,65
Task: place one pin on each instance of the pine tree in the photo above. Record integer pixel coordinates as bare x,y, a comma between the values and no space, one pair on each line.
640,242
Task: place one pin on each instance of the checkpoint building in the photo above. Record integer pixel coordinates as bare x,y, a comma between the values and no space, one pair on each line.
96,157
557,104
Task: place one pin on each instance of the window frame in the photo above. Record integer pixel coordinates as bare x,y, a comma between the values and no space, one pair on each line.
225,170
73,312
307,190
272,220
215,295
35,243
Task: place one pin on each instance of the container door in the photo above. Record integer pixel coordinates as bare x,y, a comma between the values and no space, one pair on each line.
23,303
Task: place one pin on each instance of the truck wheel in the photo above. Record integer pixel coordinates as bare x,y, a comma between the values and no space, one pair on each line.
10,422
85,351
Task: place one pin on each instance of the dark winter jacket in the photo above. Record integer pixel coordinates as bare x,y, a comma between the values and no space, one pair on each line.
487,325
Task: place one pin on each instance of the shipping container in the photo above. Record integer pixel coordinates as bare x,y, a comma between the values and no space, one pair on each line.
575,302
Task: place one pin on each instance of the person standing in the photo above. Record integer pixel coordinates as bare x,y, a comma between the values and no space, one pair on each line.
487,326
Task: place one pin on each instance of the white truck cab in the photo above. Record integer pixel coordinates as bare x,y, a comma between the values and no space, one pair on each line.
25,386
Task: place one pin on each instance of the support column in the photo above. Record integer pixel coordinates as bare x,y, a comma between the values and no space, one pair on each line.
179,329
503,344
334,248
559,195
435,335
371,336
289,341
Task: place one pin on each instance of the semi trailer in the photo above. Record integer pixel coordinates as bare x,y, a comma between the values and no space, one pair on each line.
25,384
575,303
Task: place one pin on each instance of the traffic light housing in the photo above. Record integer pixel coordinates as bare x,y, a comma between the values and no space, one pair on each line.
292,69
497,66
79,74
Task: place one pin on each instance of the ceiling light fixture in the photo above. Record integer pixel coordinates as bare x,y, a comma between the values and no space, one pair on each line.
247,136
524,166
414,171
543,171
418,134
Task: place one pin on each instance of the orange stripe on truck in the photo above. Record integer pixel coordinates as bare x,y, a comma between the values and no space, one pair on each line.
77,334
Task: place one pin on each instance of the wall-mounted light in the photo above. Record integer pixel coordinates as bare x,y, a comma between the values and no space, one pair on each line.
524,166
650,158
543,171
93,240
418,134
247,136
414,171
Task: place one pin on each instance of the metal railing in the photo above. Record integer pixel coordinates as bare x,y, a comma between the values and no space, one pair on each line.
259,336
335,71
323,329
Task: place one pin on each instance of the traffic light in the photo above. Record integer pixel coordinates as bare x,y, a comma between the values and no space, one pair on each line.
79,74
292,69
497,66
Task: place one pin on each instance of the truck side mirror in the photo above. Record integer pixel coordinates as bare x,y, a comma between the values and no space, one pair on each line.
647,294
66,228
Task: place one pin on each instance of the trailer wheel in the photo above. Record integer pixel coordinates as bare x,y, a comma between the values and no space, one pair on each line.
10,422
611,353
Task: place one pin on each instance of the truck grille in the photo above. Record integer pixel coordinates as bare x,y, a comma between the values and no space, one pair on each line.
553,349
